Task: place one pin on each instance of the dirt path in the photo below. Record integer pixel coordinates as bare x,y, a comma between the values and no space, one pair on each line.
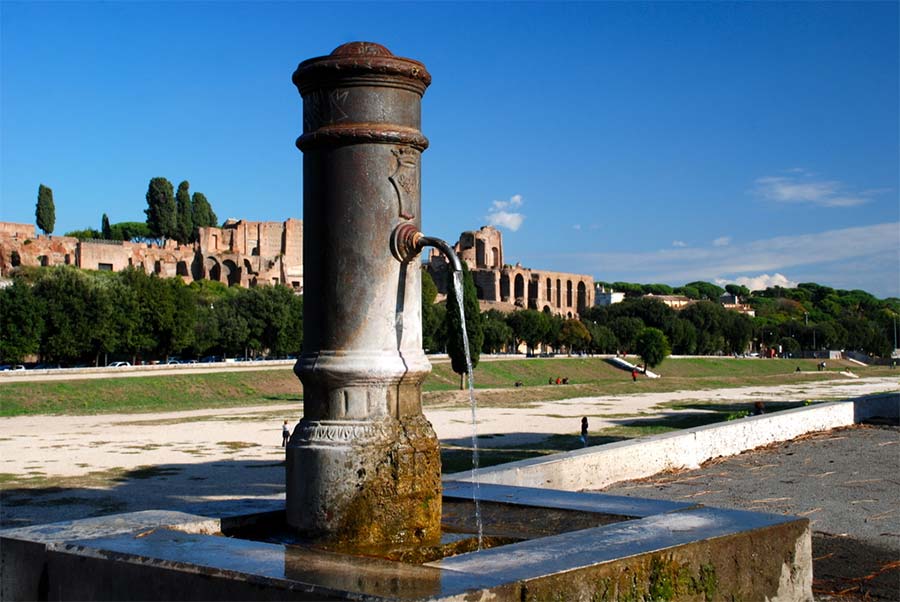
69,446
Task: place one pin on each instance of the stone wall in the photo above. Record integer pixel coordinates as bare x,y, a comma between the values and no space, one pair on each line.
241,253
507,286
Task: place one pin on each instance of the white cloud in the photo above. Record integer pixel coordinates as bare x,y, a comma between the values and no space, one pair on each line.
679,243
499,216
759,283
514,201
824,255
722,241
504,219
805,188
576,227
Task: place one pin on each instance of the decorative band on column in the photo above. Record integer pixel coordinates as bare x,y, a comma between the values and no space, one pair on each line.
341,431
358,133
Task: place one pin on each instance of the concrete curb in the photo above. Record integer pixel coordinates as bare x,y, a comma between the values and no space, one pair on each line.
602,465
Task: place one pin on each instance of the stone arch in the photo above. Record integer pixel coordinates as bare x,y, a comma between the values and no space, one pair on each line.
569,294
504,288
181,268
15,259
582,297
549,292
197,267
480,259
558,294
43,260
495,257
248,269
547,310
231,272
533,295
213,269
479,292
519,292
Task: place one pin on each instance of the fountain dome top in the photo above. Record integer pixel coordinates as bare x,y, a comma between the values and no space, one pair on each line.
365,60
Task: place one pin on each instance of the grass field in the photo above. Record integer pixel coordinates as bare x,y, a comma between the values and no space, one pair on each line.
495,379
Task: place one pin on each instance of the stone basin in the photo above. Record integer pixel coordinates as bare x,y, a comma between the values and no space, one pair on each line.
570,546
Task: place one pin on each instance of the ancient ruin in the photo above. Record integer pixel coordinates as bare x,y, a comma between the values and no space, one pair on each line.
510,287
240,253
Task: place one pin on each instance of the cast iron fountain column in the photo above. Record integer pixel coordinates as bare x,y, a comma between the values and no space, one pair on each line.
363,465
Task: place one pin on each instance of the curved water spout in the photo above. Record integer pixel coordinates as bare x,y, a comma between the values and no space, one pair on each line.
443,247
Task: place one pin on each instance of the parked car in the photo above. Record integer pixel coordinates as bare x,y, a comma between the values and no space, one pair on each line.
119,365
17,367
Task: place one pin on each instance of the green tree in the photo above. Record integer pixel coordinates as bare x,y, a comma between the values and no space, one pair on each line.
627,331
162,217
497,333
653,347
202,214
529,326
133,231
185,225
45,212
574,335
86,234
20,322
67,300
603,339
431,316
737,290
105,230
454,324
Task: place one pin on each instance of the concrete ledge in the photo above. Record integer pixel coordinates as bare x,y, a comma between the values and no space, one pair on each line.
603,465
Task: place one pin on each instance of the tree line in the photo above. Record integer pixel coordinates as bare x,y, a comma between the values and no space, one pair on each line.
77,317
170,214
70,316
789,321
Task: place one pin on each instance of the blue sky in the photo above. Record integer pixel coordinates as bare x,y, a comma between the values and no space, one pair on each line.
646,142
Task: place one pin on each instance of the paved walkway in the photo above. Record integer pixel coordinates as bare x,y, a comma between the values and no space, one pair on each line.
846,481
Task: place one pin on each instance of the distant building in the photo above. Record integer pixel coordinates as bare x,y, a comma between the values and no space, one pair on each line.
734,303
607,297
676,302
240,253
510,287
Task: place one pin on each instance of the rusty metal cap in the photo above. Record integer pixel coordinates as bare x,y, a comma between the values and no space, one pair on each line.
361,63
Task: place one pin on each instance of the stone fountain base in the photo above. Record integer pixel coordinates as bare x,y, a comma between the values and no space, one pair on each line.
572,546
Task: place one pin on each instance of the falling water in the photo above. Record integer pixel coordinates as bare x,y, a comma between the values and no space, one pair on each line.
458,289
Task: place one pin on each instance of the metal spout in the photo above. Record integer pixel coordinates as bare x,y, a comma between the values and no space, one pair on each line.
443,247
407,242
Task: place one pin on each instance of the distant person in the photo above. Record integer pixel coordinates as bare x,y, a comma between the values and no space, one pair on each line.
285,434
759,408
584,431
566,380
519,383
558,380
550,381
634,375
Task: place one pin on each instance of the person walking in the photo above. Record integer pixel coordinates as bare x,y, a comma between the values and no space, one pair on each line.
584,431
285,434
634,375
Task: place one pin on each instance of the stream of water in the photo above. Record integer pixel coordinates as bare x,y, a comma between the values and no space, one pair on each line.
458,289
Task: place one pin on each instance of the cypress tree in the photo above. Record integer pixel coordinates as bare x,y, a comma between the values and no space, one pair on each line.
185,227
161,212
45,212
202,213
105,229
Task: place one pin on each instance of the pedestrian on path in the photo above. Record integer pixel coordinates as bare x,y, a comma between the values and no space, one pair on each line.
634,375
285,434
584,431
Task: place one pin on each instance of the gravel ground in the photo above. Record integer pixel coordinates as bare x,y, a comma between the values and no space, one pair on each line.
846,481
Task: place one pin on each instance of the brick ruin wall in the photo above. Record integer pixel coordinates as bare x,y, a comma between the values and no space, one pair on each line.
506,287
241,253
